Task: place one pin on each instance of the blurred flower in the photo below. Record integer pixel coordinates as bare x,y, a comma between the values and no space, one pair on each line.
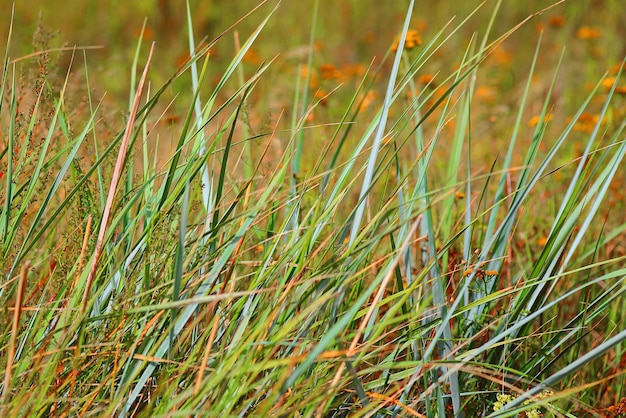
534,121
388,140
501,56
148,33
427,79
586,122
367,99
587,32
539,27
437,94
557,21
353,70
313,80
486,94
608,82
322,96
252,57
329,72
412,40
615,69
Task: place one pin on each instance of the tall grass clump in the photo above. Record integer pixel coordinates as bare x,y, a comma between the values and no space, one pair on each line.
367,265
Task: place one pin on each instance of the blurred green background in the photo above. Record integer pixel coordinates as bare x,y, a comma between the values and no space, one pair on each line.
349,32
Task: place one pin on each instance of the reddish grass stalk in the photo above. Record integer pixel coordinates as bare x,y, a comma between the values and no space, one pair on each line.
14,329
117,173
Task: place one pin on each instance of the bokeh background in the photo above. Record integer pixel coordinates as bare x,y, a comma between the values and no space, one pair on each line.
348,31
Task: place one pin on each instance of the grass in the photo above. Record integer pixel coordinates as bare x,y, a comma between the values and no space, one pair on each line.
437,232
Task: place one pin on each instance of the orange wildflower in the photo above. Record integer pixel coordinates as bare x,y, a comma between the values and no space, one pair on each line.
487,94
412,40
329,72
252,57
353,70
501,56
587,32
388,140
586,122
557,21
148,33
426,79
367,99
313,81
322,96
534,121
539,27
608,82
615,69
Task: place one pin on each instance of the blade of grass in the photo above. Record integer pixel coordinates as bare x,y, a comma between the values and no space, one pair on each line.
117,172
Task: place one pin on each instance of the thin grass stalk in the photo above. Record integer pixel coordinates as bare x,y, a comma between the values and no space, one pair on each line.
248,165
117,172
380,132
94,133
4,222
206,178
6,387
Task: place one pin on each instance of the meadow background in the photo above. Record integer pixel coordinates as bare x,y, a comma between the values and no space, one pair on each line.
313,208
